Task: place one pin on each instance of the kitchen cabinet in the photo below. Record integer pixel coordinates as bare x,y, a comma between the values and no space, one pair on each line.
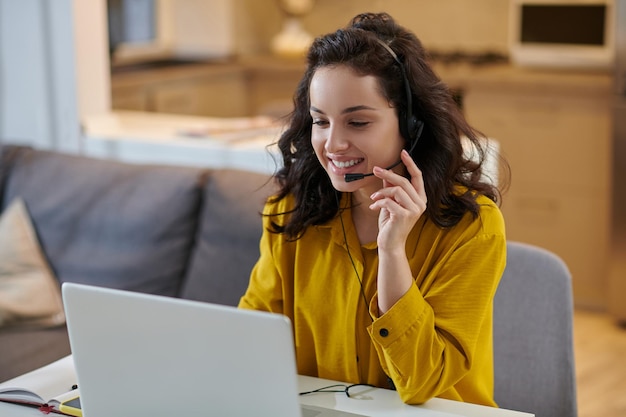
246,87
554,128
271,84
189,89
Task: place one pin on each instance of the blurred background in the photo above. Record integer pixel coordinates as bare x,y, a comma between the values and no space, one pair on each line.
545,80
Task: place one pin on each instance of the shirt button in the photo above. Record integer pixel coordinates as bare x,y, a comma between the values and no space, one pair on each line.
383,332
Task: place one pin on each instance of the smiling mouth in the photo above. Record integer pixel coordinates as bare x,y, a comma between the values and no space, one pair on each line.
347,164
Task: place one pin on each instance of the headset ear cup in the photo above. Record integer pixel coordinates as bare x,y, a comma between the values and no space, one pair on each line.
408,127
412,127
404,131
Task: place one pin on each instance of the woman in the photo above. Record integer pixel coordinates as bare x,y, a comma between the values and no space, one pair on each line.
388,278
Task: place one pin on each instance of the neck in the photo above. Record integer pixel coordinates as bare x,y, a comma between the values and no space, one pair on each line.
361,197
365,220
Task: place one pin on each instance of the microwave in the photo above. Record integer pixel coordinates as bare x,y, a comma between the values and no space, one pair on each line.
562,33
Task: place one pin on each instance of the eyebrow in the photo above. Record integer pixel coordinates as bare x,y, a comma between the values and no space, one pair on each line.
346,110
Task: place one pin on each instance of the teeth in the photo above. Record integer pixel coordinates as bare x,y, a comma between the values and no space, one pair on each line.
346,164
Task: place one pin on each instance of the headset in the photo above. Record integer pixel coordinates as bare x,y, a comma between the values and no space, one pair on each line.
409,124
410,127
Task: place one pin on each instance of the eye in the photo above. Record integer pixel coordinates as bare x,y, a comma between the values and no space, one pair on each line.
320,122
358,123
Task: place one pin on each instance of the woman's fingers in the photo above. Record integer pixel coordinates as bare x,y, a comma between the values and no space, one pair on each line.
400,189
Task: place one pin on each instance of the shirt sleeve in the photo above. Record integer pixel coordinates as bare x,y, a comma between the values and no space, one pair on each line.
428,340
264,290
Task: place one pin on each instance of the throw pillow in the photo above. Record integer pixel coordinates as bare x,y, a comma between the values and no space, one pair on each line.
30,295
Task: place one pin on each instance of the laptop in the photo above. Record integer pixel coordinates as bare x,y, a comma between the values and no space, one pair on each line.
138,354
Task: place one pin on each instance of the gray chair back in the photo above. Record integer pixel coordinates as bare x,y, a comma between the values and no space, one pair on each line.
533,334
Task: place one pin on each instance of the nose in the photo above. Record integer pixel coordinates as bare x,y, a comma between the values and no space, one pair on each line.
336,140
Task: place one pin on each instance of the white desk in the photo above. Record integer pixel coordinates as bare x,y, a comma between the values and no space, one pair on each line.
373,402
376,402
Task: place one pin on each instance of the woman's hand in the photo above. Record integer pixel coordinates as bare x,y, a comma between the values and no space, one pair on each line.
401,203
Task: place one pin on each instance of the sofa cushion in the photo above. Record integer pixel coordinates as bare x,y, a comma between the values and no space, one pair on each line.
29,293
228,238
109,223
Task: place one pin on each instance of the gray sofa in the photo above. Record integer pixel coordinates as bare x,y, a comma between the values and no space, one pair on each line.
176,231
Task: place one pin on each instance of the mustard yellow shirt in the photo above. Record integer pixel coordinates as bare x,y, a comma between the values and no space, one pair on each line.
435,341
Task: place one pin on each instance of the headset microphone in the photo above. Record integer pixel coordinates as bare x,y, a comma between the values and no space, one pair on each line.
410,127
359,176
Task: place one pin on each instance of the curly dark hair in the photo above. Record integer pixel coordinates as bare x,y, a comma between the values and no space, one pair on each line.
439,153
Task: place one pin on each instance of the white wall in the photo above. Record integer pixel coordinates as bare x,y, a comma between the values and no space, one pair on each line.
43,90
